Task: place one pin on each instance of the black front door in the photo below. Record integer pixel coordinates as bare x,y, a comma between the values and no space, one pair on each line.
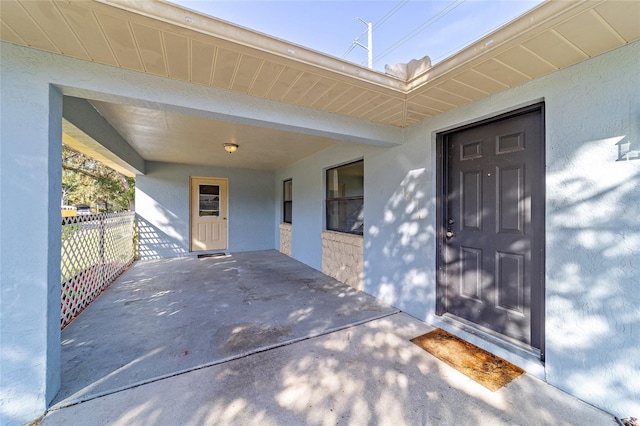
492,225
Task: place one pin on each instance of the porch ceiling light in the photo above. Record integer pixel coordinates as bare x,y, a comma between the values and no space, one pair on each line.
230,147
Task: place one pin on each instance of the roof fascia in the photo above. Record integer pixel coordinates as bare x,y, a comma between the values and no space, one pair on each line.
541,17
220,29
544,16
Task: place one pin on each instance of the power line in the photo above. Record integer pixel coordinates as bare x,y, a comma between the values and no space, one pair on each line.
441,14
382,20
353,45
390,14
460,46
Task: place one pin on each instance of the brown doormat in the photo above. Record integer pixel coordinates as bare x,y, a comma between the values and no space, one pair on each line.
490,371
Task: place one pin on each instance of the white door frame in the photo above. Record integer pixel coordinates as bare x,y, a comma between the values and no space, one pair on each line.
215,228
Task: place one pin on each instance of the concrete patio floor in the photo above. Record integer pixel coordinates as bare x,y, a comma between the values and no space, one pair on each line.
164,317
259,338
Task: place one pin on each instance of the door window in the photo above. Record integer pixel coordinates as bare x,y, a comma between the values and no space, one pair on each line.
209,200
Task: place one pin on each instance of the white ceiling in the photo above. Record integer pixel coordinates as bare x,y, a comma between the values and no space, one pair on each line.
176,138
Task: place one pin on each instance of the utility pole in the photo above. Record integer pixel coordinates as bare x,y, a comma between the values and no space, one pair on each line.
369,46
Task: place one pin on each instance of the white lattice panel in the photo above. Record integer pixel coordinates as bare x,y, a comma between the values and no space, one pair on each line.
95,251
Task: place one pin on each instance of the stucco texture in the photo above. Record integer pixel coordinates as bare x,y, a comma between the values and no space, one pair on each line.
592,221
593,232
30,184
309,193
162,208
592,209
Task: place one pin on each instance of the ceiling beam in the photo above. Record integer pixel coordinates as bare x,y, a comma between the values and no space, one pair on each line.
85,130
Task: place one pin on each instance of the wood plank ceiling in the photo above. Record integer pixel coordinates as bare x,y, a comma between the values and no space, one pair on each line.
163,39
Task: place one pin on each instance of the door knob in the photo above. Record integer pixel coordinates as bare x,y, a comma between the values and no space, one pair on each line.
449,234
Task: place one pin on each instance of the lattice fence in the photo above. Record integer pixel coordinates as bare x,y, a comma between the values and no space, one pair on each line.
95,251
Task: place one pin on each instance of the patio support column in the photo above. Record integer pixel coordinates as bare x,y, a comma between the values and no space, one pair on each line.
30,188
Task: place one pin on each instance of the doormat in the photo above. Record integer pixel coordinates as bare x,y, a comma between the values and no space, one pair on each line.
203,256
490,371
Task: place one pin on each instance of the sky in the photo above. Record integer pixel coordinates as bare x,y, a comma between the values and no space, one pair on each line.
402,29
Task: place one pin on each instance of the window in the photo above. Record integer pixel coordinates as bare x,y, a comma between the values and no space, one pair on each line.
287,196
209,200
345,198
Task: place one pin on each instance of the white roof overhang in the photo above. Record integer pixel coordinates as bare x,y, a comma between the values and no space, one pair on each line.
163,39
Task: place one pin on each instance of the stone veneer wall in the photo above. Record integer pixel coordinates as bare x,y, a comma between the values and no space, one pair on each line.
285,238
343,258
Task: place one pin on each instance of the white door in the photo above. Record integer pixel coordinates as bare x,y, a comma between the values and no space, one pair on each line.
208,214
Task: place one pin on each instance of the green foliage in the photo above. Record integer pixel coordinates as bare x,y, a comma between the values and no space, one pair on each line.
87,181
68,230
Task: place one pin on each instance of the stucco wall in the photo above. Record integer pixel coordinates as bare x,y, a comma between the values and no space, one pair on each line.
593,210
592,225
308,179
32,82
162,208
593,232
592,222
30,184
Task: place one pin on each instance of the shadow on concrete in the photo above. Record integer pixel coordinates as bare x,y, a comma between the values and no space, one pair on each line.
367,374
166,317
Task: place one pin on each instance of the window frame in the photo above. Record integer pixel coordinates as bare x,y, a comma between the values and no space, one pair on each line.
208,203
287,202
344,199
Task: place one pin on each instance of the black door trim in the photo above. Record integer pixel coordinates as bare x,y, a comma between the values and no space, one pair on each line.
538,211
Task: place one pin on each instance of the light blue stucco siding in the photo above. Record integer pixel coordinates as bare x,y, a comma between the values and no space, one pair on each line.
399,233
162,208
308,181
592,209
30,188
593,231
592,250
31,180
592,236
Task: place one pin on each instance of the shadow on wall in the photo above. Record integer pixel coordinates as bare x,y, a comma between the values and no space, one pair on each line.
161,233
402,237
628,149
153,243
593,270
